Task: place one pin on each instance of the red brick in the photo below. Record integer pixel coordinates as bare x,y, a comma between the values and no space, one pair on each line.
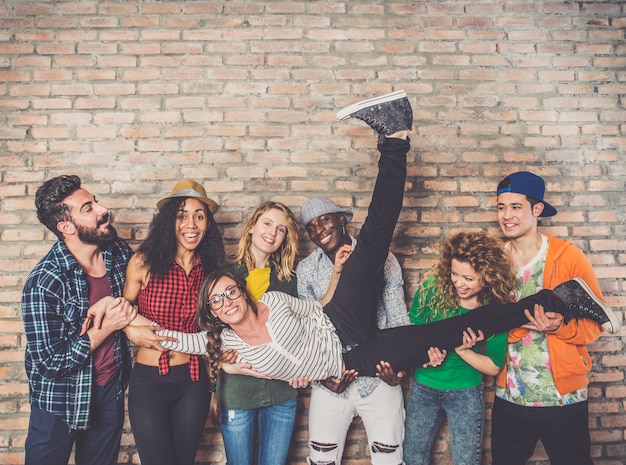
244,96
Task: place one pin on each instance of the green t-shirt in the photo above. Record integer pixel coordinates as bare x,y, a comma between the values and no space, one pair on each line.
454,373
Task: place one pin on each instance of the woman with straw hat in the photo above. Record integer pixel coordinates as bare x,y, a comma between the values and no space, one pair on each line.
170,392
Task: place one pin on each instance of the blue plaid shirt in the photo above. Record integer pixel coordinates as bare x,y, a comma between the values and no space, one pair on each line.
54,305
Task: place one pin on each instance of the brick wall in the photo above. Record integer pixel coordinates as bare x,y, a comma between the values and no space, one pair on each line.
241,95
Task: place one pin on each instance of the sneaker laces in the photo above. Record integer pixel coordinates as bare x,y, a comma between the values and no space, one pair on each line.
586,310
378,126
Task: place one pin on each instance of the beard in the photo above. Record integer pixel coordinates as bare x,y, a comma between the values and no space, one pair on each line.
94,236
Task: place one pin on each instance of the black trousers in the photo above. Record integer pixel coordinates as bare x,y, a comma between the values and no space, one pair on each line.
564,432
354,304
167,413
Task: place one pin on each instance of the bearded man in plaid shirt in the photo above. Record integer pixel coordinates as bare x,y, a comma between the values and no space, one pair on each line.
77,359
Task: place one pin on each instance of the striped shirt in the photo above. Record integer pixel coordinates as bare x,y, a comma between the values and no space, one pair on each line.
304,342
58,364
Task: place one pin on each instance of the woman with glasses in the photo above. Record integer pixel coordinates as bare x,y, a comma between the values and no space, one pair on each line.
257,415
170,392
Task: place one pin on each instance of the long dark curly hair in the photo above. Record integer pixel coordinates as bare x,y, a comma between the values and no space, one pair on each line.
159,248
213,326
486,254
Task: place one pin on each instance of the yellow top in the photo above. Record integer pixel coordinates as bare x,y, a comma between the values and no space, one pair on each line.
257,282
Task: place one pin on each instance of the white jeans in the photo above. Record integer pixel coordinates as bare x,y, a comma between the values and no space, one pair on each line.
382,413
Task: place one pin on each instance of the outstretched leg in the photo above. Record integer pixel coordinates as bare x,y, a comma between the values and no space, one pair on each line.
353,306
406,347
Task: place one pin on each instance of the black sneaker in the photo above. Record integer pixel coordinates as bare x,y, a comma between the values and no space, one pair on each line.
584,304
385,114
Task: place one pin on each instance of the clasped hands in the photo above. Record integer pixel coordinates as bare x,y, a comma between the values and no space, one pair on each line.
118,313
110,314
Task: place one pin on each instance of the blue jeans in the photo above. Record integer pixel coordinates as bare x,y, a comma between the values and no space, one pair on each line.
258,436
426,408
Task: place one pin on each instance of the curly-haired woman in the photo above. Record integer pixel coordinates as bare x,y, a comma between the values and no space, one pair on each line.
473,270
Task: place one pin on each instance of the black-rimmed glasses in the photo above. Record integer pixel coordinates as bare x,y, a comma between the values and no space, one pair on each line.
216,301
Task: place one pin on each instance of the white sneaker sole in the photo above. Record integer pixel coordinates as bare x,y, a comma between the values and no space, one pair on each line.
613,325
349,110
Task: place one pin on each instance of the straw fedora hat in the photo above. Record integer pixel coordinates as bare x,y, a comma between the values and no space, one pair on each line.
189,188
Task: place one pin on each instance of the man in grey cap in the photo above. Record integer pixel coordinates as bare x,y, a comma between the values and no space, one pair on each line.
336,402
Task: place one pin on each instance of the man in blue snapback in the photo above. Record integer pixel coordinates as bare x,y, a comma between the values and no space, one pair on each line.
541,392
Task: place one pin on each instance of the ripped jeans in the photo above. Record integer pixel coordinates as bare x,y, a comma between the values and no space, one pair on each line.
330,416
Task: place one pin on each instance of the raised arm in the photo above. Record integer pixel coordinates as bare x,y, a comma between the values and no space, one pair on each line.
341,257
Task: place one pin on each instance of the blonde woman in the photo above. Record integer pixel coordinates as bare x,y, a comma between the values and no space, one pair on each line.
257,415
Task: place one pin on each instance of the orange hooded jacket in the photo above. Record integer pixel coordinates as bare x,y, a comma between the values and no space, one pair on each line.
569,358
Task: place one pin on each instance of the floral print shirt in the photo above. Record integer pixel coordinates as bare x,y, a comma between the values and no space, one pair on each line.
529,375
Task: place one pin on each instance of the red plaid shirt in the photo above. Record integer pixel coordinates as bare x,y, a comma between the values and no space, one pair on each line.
170,301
